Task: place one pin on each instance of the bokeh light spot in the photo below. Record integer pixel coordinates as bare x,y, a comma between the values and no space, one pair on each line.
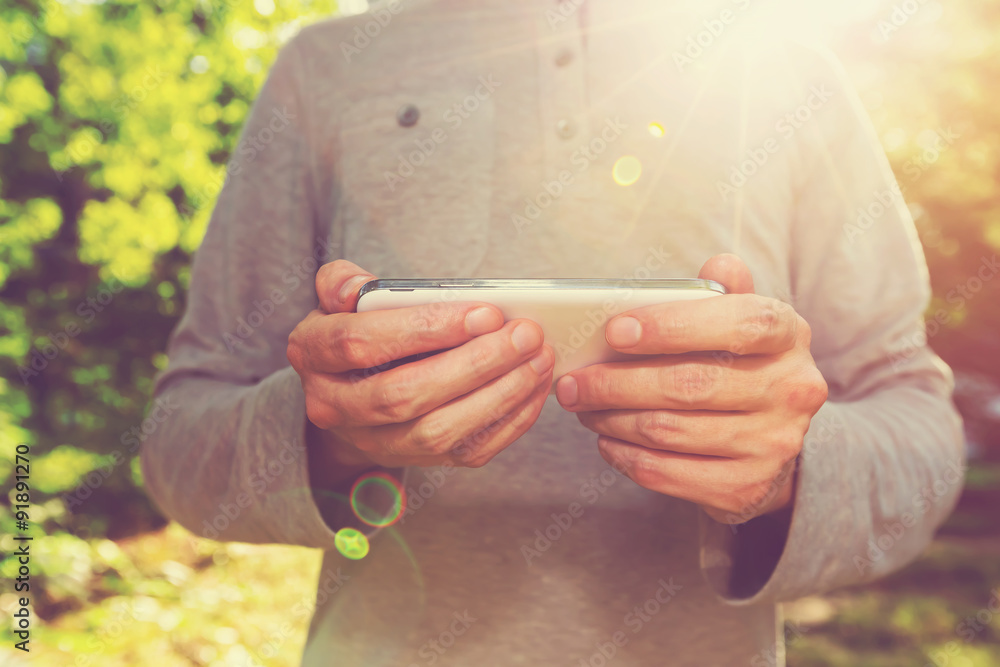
656,130
352,543
264,7
199,64
627,170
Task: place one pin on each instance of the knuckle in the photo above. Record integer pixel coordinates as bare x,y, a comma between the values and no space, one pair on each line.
482,361
321,414
657,426
644,471
430,435
819,389
786,448
351,346
812,391
760,320
294,351
393,402
801,332
691,382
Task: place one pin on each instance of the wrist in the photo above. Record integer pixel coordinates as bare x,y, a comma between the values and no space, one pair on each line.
331,460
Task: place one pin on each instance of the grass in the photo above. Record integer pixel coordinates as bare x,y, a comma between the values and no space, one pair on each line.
169,599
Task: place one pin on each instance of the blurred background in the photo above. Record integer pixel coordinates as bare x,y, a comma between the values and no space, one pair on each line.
116,122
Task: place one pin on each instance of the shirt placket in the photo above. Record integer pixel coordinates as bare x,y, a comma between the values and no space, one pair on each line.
562,82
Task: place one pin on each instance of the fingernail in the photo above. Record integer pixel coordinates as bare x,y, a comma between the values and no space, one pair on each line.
566,391
350,286
624,332
482,320
525,338
542,362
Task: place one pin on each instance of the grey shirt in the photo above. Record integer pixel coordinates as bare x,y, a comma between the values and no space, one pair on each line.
546,556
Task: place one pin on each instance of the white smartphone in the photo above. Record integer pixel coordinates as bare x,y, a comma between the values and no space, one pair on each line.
571,312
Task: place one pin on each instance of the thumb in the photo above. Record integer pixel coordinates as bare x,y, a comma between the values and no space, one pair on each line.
337,285
729,270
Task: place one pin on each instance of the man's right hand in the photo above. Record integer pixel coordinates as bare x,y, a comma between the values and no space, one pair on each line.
461,406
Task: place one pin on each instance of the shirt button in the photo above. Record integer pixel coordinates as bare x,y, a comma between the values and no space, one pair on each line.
408,115
564,58
565,128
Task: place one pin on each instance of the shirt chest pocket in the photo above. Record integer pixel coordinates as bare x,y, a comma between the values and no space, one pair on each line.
416,175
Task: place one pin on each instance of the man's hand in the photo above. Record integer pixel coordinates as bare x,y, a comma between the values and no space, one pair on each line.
718,418
462,406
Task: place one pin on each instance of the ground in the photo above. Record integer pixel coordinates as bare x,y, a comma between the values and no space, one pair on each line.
169,599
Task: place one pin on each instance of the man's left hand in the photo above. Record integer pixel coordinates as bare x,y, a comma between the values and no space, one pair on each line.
718,415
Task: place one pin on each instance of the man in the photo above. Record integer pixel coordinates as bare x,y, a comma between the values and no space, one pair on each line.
789,437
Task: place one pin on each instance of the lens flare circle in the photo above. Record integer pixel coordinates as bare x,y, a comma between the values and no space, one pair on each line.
386,484
627,170
352,543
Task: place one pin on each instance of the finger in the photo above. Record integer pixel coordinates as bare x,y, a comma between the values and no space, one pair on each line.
481,447
695,381
725,434
731,271
717,482
353,341
732,488
409,391
337,285
463,420
736,323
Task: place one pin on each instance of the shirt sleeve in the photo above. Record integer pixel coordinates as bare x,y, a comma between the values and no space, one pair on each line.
883,460
228,459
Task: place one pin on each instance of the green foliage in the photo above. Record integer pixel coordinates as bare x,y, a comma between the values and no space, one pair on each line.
116,121
935,612
930,77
